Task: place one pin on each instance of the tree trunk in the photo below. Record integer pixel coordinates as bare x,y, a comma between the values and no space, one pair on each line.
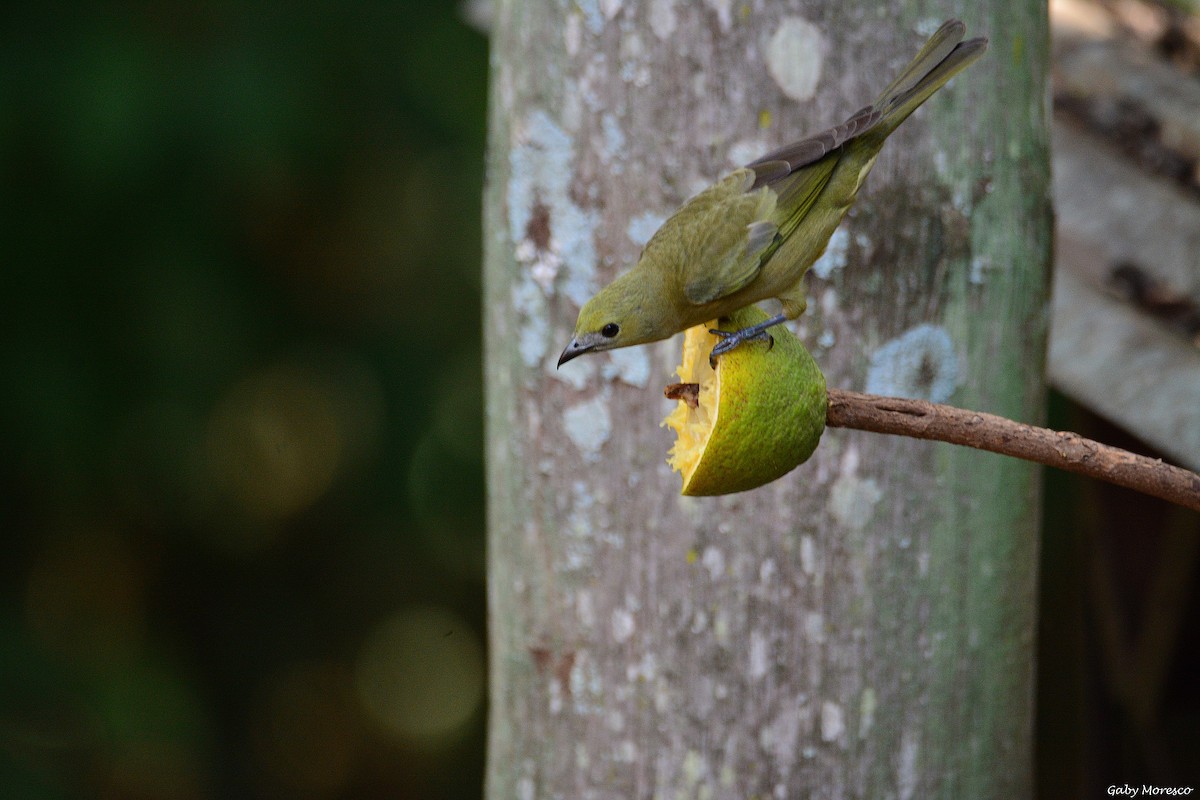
863,627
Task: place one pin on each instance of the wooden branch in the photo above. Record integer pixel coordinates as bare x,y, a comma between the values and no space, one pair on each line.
1069,451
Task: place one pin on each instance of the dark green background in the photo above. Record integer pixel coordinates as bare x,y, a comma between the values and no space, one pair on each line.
240,420
241,498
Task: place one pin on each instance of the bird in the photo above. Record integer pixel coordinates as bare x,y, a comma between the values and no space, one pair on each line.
753,234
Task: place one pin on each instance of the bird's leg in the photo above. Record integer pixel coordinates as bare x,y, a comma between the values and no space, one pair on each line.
732,339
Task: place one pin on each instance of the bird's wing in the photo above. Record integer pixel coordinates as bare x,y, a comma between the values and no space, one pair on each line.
777,165
731,229
799,171
739,223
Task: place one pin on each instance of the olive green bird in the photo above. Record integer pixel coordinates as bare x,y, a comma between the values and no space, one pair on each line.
753,235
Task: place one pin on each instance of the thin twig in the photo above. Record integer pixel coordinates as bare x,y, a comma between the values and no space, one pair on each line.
1070,451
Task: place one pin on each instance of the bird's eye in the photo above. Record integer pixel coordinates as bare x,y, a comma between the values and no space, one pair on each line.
610,330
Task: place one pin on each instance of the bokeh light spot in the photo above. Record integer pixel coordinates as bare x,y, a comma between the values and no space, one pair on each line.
274,443
420,676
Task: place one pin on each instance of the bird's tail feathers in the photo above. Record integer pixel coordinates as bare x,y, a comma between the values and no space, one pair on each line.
942,57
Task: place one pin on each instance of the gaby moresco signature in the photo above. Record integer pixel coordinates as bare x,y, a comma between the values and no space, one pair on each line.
1125,790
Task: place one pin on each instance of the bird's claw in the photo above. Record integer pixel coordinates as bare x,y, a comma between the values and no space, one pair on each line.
732,339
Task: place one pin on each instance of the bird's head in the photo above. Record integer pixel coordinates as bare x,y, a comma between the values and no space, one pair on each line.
621,314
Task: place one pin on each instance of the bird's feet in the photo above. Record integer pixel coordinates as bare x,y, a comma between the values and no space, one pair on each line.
732,339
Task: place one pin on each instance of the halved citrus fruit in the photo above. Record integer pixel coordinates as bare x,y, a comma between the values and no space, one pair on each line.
753,419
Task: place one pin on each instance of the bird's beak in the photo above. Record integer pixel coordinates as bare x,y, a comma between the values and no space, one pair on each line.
577,347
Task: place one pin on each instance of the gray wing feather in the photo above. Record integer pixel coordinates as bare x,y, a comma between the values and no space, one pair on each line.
813,148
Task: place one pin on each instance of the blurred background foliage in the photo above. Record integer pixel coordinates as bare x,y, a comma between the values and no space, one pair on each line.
241,489
240,432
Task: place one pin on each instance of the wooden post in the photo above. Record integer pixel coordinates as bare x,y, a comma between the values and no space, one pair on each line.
863,627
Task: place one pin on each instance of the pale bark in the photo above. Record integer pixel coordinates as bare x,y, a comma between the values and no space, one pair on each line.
864,626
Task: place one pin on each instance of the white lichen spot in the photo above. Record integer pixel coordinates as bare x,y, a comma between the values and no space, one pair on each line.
695,768
662,18
941,161
585,608
852,500
833,721
592,14
548,230
573,34
814,627
795,55
906,772
633,65
767,571
827,339
758,655
643,226
610,8
835,255
595,74
962,201
923,564
919,364
586,686
631,46
555,700
866,712
830,301
721,628
724,9
636,74
583,757
579,538
629,365
615,720
622,625
543,264
530,305
808,555
850,460
626,752
713,561
980,265
744,151
614,138
699,622
588,425
780,736
525,788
